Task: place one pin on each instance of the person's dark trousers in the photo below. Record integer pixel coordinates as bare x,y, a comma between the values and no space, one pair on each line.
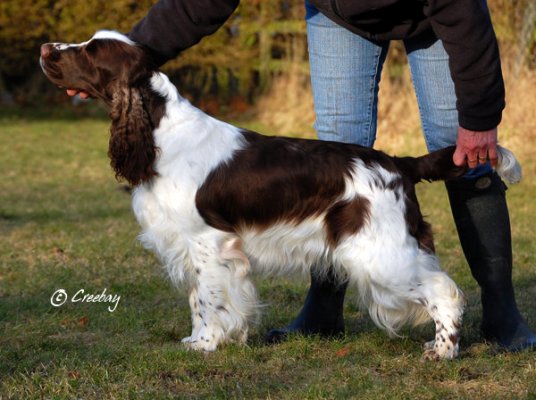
481,217
322,312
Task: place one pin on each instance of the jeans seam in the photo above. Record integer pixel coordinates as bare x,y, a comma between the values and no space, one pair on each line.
430,111
373,101
421,111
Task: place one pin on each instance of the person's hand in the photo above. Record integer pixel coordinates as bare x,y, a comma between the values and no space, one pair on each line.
477,147
73,92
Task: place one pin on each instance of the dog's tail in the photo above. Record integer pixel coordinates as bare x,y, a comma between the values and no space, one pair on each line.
508,167
438,166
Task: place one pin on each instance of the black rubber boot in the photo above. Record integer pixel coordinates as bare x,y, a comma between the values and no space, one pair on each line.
322,312
481,216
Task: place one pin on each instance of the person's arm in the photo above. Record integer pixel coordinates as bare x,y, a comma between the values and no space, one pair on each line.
172,26
466,31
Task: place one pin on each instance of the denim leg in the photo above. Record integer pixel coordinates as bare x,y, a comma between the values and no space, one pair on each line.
429,63
345,76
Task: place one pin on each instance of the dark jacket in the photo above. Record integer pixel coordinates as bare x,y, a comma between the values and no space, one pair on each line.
464,27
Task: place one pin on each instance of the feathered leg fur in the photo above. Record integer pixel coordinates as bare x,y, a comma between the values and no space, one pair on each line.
222,298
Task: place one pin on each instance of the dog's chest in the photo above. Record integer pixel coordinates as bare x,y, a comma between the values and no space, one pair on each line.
166,211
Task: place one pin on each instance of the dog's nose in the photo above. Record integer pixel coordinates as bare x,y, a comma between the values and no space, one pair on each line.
46,50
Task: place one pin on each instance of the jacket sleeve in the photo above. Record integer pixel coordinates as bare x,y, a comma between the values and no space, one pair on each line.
172,26
465,28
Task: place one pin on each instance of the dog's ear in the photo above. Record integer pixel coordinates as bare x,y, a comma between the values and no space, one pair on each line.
131,148
142,66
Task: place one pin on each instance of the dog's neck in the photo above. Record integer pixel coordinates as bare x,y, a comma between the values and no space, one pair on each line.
187,136
179,112
161,84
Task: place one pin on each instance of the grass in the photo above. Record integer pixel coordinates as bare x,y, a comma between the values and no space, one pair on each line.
66,223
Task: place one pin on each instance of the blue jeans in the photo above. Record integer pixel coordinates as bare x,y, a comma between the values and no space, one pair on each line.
345,75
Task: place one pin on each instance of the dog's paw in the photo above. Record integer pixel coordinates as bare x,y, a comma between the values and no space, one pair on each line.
434,351
204,341
430,355
200,345
187,339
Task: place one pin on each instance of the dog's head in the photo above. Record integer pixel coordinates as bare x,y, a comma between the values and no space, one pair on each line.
111,67
106,63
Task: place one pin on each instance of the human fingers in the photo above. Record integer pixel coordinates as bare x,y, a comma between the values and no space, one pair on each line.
458,157
483,156
472,157
493,156
74,92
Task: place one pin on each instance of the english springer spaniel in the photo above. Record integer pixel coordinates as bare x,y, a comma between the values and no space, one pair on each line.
216,202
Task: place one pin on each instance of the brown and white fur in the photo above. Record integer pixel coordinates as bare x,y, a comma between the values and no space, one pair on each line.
217,203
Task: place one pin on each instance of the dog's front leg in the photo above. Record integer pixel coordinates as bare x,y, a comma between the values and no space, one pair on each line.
222,300
197,321
207,332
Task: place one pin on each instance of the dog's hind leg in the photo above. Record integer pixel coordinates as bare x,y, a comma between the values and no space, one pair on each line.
443,301
223,299
409,289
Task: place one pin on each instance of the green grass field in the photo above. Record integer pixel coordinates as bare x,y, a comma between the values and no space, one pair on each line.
66,223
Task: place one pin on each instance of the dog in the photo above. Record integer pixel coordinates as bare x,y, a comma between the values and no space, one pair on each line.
217,203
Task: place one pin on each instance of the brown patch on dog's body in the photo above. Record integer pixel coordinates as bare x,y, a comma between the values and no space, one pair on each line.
276,179
346,218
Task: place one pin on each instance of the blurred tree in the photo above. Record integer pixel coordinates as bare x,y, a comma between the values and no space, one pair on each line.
259,41
527,37
23,25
